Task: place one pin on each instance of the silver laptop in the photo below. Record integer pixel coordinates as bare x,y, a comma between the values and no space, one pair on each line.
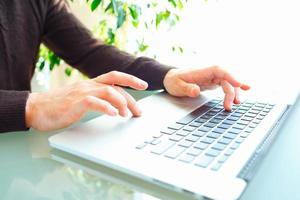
187,145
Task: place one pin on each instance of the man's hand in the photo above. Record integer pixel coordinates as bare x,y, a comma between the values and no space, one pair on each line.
62,107
190,82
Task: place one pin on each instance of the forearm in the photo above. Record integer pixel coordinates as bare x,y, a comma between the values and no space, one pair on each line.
70,40
12,110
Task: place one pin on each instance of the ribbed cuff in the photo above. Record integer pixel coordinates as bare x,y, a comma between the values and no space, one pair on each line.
12,110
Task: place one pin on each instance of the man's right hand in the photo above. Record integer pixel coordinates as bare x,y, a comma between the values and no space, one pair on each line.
62,107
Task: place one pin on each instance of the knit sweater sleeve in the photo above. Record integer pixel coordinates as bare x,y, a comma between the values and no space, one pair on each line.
12,110
70,40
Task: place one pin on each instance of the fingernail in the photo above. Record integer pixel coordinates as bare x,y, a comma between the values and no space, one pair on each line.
143,84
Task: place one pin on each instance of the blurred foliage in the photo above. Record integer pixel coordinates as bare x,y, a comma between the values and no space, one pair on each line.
117,15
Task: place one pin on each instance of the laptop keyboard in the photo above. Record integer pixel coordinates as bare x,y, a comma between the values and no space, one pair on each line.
209,135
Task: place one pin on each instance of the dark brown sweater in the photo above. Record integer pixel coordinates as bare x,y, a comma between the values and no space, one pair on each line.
25,24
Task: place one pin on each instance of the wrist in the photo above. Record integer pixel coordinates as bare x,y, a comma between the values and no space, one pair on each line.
30,109
167,78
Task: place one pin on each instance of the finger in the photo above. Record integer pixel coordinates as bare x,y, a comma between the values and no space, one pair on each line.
122,79
96,104
224,75
237,96
116,99
131,102
229,95
189,89
245,87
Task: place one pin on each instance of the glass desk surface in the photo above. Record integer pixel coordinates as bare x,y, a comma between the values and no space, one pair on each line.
30,169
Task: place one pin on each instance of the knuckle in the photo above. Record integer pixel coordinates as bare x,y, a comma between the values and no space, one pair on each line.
113,73
216,67
107,91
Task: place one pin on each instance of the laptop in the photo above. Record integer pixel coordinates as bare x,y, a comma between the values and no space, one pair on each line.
191,146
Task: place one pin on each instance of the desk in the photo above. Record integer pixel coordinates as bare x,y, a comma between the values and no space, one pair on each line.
30,169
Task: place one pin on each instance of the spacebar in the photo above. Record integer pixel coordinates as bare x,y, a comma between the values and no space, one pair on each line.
196,113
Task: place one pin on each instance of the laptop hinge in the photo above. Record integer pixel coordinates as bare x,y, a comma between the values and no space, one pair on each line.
251,166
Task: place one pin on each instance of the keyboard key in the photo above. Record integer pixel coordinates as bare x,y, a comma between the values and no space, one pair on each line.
216,166
229,122
204,129
220,117
141,146
256,121
260,117
239,126
239,140
157,135
224,126
235,131
186,143
250,115
207,140
252,125
187,158
213,135
223,159
162,147
229,152
225,141
194,152
229,135
244,134
189,128
232,118
174,151
235,145
249,130
176,138
201,120
213,152
247,119
215,121
243,122
155,142
198,133
201,145
182,132
192,138
149,140
219,146
204,161
175,126
210,125
168,131
236,114
195,124
253,112
241,111
219,130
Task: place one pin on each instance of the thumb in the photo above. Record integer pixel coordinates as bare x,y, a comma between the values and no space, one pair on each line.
190,89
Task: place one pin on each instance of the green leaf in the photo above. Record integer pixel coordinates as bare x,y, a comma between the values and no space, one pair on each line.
173,3
109,8
142,46
135,13
114,5
68,71
163,15
42,65
95,4
121,17
110,37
